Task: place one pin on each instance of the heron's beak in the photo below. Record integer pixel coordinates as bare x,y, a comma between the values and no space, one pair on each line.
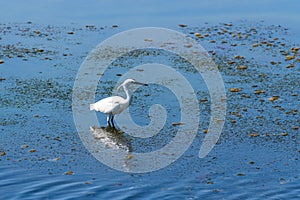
138,83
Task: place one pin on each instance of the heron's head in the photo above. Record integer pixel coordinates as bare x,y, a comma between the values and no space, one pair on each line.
130,81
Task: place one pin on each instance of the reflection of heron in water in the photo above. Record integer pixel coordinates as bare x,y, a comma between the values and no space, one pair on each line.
111,138
114,105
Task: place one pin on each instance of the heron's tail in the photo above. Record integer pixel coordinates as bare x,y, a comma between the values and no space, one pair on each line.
92,106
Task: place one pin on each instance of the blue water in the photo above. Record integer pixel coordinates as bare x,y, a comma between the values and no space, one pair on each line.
130,13
36,103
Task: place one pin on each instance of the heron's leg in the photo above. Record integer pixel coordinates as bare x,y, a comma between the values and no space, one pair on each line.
112,121
108,120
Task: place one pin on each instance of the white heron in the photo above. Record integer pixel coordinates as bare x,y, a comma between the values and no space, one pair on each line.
114,105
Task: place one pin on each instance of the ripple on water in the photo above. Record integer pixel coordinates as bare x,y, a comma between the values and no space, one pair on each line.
250,186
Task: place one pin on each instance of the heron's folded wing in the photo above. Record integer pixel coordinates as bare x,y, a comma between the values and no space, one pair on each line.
108,105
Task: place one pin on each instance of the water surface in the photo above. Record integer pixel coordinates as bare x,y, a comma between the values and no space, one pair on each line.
40,145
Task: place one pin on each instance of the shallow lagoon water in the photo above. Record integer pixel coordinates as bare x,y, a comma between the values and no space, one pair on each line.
253,158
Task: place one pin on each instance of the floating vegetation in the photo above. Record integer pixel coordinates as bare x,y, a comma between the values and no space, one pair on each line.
32,150
34,91
290,57
259,91
19,51
182,25
205,131
290,66
273,98
235,89
284,134
177,123
241,174
198,35
69,173
242,67
254,134
239,57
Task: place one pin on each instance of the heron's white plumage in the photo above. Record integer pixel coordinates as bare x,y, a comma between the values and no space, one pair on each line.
111,105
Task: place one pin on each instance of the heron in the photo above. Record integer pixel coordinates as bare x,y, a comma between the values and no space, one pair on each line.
114,105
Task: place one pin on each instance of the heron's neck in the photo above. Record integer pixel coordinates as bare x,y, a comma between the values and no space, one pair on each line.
127,94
